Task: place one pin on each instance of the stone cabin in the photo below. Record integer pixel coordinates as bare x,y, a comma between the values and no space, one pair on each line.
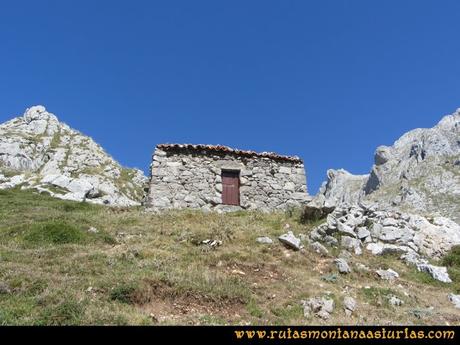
221,178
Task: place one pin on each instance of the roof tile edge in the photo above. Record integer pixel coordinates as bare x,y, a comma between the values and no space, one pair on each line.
226,149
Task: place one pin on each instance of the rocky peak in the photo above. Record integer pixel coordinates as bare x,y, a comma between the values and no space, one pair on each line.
38,151
38,112
420,172
341,187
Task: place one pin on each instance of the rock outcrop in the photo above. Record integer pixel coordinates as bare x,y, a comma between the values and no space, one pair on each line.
340,188
37,151
408,204
419,173
380,232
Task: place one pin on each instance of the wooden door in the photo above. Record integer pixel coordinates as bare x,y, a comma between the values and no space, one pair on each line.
230,187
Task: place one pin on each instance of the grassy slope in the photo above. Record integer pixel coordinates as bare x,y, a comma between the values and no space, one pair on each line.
142,268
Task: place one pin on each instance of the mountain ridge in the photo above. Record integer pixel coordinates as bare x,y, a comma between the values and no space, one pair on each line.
38,151
420,172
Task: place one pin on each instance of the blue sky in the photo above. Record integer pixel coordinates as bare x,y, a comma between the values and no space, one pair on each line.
326,80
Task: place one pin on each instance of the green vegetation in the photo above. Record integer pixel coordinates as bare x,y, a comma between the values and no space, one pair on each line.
56,140
125,293
53,232
378,296
124,183
452,259
144,268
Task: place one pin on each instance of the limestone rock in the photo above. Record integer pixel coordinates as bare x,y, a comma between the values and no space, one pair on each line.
455,299
264,240
342,266
320,307
437,272
349,305
290,240
340,188
351,244
436,238
388,274
384,231
395,301
362,267
319,248
362,233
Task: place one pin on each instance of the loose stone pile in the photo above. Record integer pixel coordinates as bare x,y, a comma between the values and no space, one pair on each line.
386,231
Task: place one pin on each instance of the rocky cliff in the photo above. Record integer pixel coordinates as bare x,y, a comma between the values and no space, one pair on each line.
419,173
409,204
37,151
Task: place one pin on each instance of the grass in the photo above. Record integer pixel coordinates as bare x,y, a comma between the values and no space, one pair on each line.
53,232
377,295
141,268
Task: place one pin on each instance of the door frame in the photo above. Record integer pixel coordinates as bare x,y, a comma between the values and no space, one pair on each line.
236,173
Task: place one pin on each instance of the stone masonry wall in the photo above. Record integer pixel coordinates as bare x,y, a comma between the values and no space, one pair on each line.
192,179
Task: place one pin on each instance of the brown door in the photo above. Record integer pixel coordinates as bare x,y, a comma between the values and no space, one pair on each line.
230,187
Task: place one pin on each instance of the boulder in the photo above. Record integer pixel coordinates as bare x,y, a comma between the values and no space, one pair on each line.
380,248
455,299
290,241
437,272
319,248
362,233
352,244
349,305
395,301
320,307
436,238
342,266
312,213
388,274
345,229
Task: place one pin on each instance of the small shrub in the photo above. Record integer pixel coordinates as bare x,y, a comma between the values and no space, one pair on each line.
452,258
54,232
330,278
130,293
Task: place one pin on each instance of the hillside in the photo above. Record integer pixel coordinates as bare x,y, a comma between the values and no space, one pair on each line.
40,152
65,262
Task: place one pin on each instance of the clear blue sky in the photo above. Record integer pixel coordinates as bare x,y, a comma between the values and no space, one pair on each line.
326,80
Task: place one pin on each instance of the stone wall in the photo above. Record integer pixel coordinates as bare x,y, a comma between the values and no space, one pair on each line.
191,178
